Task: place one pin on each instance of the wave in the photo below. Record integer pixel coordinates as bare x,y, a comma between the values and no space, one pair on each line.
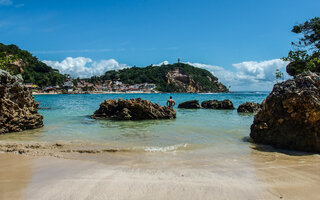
44,148
171,148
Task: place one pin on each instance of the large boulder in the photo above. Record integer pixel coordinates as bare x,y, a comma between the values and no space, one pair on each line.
18,109
132,109
215,104
189,104
249,107
290,115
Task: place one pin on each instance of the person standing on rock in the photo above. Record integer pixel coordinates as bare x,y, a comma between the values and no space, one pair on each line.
171,102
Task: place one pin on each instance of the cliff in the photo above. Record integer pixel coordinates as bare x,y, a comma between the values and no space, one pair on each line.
186,83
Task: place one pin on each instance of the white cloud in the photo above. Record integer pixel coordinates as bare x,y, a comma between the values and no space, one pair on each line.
5,2
245,76
250,75
162,63
84,67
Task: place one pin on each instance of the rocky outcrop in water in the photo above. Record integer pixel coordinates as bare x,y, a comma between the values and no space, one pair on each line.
132,109
215,104
249,107
290,115
18,109
189,104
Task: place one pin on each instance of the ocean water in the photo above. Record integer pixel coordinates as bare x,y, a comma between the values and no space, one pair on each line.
193,129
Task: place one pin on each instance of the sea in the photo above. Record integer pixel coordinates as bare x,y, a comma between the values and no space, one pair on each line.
68,120
196,139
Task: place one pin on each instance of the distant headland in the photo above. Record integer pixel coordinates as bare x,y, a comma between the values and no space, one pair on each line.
43,79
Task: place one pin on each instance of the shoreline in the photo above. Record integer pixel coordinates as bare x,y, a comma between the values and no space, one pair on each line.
44,93
230,92
132,175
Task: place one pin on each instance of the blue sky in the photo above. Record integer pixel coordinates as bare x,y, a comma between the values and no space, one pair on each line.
240,39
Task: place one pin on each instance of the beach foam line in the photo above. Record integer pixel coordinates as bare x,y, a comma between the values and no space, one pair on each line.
171,148
58,149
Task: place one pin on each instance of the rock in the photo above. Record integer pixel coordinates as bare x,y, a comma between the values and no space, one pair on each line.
185,83
215,104
18,109
290,115
132,109
189,104
249,107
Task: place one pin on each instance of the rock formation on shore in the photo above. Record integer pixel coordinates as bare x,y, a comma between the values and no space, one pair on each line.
215,104
132,109
18,109
190,104
249,107
290,115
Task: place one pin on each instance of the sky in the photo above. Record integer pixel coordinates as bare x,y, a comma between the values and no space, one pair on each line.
240,42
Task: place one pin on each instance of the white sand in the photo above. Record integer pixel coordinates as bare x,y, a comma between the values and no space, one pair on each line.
23,177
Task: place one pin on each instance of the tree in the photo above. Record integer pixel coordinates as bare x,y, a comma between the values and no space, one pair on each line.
18,61
6,63
307,56
311,34
279,75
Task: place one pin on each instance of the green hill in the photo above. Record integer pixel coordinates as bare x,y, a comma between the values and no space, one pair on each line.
33,70
178,77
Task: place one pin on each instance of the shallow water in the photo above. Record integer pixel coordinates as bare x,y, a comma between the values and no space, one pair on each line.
68,121
200,155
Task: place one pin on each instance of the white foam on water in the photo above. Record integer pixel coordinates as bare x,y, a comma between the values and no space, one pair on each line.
166,148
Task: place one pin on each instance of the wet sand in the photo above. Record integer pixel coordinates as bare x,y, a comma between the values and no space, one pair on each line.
180,175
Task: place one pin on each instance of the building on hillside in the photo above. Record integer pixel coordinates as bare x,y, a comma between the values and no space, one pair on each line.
30,86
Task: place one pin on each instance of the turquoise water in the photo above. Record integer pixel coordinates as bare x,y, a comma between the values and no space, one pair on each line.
197,128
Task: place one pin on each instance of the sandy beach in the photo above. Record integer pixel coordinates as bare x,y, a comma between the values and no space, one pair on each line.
129,175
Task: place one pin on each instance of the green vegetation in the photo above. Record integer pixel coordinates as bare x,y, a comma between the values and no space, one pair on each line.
307,56
279,75
5,63
32,70
157,75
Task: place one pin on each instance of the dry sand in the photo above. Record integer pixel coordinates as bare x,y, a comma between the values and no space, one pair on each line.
124,175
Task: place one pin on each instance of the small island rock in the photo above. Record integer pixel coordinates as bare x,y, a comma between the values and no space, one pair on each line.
249,107
215,104
18,109
189,104
132,109
290,115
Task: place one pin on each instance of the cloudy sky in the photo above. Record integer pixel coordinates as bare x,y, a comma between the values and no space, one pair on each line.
240,42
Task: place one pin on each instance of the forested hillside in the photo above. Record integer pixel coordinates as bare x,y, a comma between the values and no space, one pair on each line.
16,61
168,78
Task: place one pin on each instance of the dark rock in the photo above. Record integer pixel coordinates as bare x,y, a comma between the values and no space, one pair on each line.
189,104
249,107
290,115
215,104
133,109
18,109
